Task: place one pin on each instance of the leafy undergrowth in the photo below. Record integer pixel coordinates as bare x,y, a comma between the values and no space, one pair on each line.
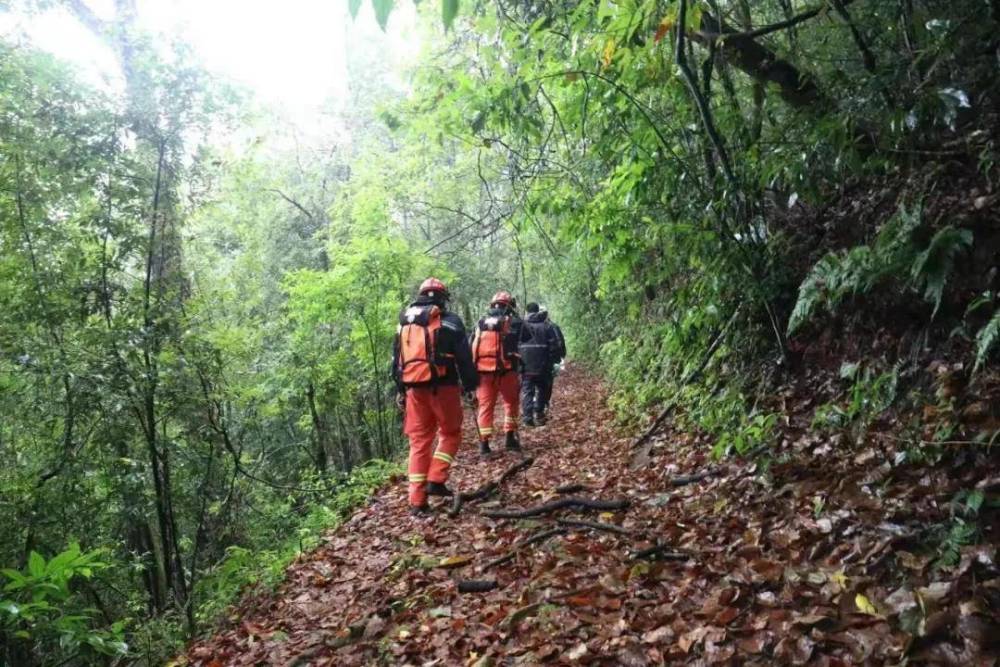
821,553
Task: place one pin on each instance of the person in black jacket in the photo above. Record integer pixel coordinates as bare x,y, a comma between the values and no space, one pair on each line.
560,354
432,366
539,350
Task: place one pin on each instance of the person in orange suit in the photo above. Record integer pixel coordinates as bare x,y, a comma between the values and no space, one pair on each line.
494,351
432,365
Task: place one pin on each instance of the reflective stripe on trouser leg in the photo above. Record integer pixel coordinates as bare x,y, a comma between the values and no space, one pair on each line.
420,425
448,410
510,391
487,396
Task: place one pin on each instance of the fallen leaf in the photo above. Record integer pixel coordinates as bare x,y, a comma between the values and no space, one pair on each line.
374,627
659,635
935,592
752,645
901,600
454,561
865,605
794,650
692,638
577,652
726,616
808,620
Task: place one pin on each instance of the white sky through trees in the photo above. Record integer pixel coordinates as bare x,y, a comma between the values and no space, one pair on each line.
291,53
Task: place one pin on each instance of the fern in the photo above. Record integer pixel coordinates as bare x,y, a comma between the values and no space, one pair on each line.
814,292
986,338
931,268
893,253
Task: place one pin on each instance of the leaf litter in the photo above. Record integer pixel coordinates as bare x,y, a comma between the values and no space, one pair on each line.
763,577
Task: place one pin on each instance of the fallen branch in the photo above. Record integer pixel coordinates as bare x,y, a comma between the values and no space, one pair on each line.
683,480
571,488
477,585
659,552
556,505
489,488
534,539
594,525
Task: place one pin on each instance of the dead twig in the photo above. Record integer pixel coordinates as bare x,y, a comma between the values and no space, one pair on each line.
683,480
534,539
489,488
571,488
594,525
659,552
574,502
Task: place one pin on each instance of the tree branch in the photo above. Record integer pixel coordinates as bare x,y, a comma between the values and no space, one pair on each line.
291,201
700,102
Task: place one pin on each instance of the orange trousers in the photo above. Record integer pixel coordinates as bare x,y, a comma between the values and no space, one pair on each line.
508,387
430,412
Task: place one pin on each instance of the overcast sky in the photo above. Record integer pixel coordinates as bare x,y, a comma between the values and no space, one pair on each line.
291,52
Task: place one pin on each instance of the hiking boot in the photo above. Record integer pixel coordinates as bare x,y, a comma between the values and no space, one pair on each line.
438,489
420,510
484,448
529,421
512,442
541,419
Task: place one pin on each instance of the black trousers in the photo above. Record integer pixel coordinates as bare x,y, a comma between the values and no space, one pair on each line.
536,390
550,381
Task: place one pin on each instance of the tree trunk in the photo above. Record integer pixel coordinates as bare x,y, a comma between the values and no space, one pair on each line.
760,63
321,435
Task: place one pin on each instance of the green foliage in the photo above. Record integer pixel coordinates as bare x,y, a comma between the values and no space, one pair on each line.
756,432
449,10
39,608
986,339
895,252
931,267
241,567
869,395
962,530
950,538
383,9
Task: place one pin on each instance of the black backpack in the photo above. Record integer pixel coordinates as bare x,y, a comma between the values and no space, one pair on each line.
536,348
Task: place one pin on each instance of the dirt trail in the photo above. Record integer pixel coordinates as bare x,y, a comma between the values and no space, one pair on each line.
751,568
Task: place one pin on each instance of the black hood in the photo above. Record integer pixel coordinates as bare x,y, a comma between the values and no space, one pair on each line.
537,317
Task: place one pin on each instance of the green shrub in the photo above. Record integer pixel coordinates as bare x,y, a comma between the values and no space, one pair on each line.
986,339
39,607
869,395
243,567
896,252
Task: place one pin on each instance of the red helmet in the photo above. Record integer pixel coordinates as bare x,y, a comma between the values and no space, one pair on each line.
503,298
433,287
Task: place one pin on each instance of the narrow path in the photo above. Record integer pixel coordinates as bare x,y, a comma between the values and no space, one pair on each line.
750,570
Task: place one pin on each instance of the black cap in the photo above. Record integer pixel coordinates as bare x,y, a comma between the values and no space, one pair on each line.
531,307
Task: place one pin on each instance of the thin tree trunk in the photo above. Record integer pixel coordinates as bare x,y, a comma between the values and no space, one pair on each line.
321,436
